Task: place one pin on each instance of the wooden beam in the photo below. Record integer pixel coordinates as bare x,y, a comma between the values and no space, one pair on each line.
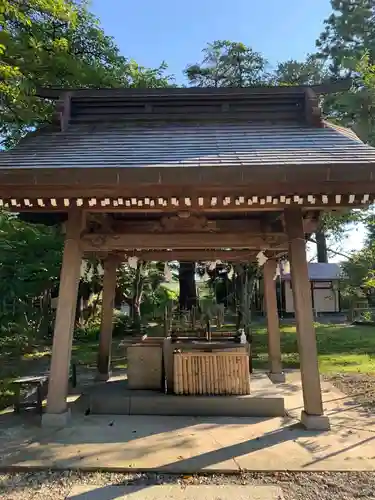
113,241
196,224
87,183
196,255
188,255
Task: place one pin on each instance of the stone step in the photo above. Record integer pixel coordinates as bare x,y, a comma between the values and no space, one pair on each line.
176,492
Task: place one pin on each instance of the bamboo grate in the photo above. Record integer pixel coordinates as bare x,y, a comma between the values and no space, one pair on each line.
211,373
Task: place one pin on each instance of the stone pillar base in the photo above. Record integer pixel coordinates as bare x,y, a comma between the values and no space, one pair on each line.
102,377
277,378
315,422
55,419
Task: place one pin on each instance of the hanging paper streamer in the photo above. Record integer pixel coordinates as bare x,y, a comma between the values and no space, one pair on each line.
285,267
206,276
100,270
85,269
133,262
277,272
262,259
167,272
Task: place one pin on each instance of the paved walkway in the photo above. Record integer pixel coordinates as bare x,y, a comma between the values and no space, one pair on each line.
174,492
189,445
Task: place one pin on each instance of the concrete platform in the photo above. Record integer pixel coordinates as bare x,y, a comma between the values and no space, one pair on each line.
115,398
176,492
187,445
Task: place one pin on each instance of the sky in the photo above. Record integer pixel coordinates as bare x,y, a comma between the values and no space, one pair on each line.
176,31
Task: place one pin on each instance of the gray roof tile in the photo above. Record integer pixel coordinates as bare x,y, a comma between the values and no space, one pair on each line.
320,271
187,144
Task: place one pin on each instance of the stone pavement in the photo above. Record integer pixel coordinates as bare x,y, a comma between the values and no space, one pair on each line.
176,492
188,445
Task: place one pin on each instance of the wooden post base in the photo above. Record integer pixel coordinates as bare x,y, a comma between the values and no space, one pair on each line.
103,377
315,422
56,420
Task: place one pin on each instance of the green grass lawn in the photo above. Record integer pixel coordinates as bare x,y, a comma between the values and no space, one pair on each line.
341,349
14,362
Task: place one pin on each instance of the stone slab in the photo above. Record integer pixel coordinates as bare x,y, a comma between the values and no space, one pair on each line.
115,398
207,406
109,405
56,420
176,492
187,445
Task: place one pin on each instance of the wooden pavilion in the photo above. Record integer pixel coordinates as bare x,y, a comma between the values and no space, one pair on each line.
187,174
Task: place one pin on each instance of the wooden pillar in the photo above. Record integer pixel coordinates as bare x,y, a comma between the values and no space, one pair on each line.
312,415
274,350
105,339
57,410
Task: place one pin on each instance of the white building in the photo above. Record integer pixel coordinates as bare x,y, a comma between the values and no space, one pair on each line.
324,281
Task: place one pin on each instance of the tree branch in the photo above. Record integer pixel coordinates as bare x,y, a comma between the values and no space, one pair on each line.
332,251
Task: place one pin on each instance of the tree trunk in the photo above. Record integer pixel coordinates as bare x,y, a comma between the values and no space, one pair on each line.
135,312
321,246
188,289
135,309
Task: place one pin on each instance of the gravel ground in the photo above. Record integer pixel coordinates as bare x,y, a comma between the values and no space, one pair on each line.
295,486
360,387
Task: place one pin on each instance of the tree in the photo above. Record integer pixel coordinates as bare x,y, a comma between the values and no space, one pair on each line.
135,284
30,260
227,64
360,272
56,43
20,50
349,33
188,288
310,72
360,266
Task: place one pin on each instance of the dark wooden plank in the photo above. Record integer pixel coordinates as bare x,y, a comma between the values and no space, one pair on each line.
326,87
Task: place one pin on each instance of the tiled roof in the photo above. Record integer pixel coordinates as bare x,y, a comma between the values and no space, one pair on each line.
187,145
320,271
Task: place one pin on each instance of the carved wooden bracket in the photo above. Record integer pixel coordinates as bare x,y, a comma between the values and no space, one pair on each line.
175,224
